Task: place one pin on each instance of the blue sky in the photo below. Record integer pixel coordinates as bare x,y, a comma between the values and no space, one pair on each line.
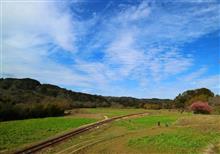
137,48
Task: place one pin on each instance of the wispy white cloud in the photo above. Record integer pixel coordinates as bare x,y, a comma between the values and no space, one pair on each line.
134,13
195,75
31,31
211,82
142,43
42,20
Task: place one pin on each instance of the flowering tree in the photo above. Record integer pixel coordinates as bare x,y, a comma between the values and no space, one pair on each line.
201,107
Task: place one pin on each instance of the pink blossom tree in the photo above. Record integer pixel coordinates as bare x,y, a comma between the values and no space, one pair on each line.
201,107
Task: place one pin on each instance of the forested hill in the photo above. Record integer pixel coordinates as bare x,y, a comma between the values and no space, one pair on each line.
28,98
30,91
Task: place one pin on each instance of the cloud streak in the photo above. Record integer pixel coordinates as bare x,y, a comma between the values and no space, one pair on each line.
139,44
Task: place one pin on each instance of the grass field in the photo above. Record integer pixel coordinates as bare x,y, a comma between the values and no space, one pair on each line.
109,112
144,122
178,134
177,141
19,133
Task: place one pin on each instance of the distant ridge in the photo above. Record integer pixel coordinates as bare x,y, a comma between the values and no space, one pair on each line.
28,90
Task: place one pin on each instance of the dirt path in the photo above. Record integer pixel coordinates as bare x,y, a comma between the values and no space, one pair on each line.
77,148
105,117
212,149
48,143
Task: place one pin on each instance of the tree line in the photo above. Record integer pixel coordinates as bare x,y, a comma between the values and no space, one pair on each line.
28,98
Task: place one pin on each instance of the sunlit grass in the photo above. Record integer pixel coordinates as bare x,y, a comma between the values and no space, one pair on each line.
112,112
179,141
20,132
147,121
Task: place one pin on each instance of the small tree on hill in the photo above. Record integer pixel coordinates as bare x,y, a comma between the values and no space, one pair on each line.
201,107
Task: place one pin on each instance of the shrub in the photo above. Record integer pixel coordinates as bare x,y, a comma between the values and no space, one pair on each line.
201,107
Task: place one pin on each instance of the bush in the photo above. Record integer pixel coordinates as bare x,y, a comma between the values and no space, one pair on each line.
201,107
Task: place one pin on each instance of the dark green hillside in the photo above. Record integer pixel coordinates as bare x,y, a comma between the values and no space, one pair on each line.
143,103
28,98
31,91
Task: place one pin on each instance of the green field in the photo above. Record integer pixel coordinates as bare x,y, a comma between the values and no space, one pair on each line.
21,133
112,112
178,134
144,122
178,141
